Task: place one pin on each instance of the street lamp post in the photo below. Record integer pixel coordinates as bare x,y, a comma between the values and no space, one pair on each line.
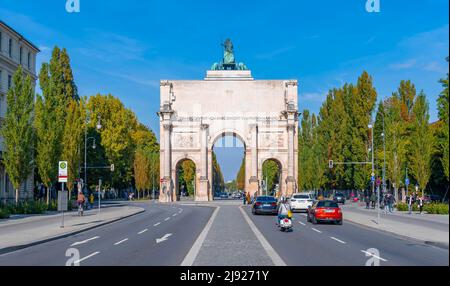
373,176
99,126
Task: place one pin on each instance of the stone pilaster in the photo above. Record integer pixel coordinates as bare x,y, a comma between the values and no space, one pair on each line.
290,180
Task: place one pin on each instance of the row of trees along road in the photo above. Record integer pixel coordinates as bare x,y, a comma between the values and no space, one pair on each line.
340,133
41,130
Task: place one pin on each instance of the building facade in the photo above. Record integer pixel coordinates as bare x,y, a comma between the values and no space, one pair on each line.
15,50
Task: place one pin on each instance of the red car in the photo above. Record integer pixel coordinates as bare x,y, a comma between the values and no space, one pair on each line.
325,211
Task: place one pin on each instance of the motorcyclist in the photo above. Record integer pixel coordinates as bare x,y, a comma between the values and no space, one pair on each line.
284,210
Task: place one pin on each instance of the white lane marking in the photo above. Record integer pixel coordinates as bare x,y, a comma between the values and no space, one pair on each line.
276,259
164,238
167,218
142,231
156,224
303,214
89,256
174,214
119,242
371,254
85,241
316,230
193,252
301,223
338,240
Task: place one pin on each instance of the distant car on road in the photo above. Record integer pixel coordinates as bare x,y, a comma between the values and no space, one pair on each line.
300,201
325,211
339,198
265,205
224,196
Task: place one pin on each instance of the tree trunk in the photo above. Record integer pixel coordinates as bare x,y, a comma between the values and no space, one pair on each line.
396,194
17,196
48,195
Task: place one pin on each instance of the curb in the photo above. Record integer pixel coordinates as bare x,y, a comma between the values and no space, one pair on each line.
11,249
442,245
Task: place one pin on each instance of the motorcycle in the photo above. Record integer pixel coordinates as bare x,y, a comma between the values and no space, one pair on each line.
285,224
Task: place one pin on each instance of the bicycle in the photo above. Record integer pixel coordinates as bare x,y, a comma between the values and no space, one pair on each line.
80,209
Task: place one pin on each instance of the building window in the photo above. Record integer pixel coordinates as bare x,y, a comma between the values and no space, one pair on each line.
20,55
9,81
29,60
10,48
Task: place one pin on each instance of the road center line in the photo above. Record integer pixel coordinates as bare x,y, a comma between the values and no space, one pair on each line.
373,255
141,232
119,242
276,259
193,252
301,223
156,224
89,256
338,240
174,214
316,230
167,218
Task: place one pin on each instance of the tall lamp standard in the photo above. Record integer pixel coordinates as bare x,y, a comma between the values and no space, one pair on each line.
373,176
99,126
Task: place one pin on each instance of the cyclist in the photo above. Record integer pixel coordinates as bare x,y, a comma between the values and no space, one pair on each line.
81,199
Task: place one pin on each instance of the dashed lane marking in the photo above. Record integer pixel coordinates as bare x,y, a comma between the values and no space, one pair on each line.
156,224
142,231
119,242
338,240
316,230
89,256
371,254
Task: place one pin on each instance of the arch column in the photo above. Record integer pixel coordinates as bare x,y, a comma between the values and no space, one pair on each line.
290,180
167,187
202,193
253,185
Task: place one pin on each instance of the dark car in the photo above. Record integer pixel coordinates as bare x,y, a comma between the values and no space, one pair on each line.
265,205
325,211
339,198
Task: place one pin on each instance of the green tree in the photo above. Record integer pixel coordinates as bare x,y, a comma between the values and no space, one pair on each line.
240,178
141,171
72,139
271,174
443,109
422,142
17,130
186,176
58,88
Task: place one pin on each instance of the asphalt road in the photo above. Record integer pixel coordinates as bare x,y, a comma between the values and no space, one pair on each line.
162,236
346,245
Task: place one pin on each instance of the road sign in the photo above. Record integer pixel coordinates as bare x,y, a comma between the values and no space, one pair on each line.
63,201
112,167
372,179
62,172
330,164
373,174
161,180
407,181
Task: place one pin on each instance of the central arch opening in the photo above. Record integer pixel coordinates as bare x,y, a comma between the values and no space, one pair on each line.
228,167
271,178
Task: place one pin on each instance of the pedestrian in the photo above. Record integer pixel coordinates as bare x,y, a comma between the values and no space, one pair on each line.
420,204
391,203
245,198
367,201
248,197
373,199
410,202
386,203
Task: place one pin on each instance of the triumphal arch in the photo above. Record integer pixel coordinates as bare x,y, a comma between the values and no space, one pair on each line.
194,114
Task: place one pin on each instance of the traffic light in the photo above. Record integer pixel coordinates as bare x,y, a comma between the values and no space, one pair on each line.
330,164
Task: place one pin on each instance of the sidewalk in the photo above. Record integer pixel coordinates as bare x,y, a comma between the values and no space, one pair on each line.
22,231
427,228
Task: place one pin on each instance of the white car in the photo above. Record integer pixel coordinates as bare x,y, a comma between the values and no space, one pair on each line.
301,202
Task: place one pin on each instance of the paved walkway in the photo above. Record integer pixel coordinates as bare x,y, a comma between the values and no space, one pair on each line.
431,229
20,231
230,240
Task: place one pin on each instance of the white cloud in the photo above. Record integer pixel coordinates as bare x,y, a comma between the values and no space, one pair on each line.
404,65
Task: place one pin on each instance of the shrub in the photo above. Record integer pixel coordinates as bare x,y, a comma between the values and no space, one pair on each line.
4,213
403,207
436,209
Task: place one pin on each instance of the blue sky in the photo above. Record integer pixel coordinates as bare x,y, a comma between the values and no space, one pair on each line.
126,47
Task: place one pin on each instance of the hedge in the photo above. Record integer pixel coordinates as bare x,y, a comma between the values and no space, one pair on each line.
434,208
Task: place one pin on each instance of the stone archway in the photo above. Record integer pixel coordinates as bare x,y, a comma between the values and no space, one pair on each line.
194,113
